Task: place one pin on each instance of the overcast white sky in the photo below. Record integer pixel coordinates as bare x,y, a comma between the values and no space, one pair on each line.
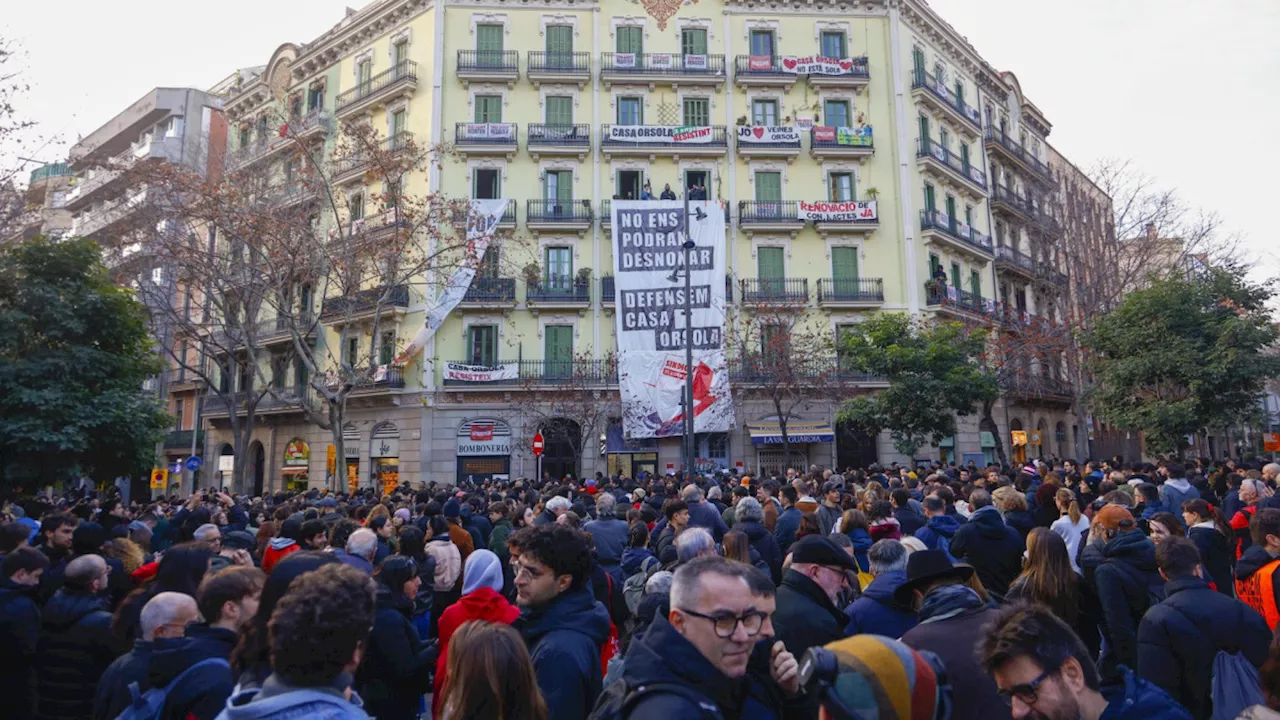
1179,86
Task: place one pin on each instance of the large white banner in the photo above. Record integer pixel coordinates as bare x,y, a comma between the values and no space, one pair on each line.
773,134
647,250
819,65
660,134
482,220
481,373
838,211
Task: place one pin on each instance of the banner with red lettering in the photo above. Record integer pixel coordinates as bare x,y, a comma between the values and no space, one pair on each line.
819,65
660,134
481,373
838,211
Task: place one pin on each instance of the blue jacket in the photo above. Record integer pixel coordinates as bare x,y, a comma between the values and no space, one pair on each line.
1126,580
784,531
1174,492
113,688
938,528
862,542
1137,699
19,633
610,536
877,613
204,693
633,560
276,701
705,515
1179,638
564,640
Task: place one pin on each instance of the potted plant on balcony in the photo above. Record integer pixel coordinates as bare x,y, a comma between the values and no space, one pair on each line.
582,280
532,275
872,193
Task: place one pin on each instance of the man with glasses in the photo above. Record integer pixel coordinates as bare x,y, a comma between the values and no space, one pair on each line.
809,611
712,653
1043,671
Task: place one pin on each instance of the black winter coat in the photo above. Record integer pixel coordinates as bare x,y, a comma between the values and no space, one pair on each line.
75,648
113,688
805,617
764,543
1215,556
564,639
397,664
1126,581
991,547
19,635
1179,638
954,640
909,520
203,694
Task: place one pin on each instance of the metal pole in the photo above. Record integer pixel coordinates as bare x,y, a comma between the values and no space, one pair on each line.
690,446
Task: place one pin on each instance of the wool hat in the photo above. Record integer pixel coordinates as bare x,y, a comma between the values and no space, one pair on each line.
404,514
878,677
1114,517
452,508
483,569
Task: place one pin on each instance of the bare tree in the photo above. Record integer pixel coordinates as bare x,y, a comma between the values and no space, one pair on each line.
569,401
18,139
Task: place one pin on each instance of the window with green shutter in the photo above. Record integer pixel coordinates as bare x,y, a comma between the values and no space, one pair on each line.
924,133
693,41
833,45
489,44
964,156
762,42
488,267
559,43
387,348
844,265
559,111
482,345
951,210
975,284
934,264
764,112
944,138
488,108
836,113
840,187
559,185
559,269
917,60
768,187
400,52
955,274
630,111
697,112
769,263
930,198
630,40
558,350
774,340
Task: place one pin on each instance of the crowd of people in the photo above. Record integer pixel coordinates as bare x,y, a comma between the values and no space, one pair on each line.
1057,590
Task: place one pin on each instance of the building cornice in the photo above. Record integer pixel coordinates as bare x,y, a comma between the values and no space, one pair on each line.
924,20
812,7
354,32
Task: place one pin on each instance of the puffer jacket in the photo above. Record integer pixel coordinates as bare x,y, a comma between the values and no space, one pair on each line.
75,648
564,639
1127,583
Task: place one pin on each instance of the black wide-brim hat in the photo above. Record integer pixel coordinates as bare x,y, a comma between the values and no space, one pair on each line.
927,566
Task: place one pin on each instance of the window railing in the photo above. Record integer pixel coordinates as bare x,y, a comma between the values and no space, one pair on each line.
558,211
921,78
716,139
491,290
559,289
500,134
999,137
779,290
756,212
403,71
938,293
938,220
547,372
661,64
542,134
607,292
560,63
1008,256
929,148
488,61
383,376
759,66
366,301
851,290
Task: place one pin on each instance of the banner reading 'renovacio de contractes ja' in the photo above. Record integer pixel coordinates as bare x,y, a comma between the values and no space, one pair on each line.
647,249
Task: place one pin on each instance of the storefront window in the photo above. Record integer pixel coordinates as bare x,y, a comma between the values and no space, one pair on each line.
384,457
297,460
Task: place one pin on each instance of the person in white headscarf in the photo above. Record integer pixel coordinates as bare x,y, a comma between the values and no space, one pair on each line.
481,600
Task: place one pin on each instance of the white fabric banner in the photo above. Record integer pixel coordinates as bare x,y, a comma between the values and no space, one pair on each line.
481,373
490,131
481,222
660,134
818,65
652,330
771,134
838,211
624,60
695,62
660,61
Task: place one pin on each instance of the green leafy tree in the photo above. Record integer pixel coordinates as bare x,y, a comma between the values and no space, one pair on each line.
933,372
1187,353
74,354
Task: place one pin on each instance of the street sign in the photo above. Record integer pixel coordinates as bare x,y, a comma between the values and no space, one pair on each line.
538,445
159,479
194,463
1271,442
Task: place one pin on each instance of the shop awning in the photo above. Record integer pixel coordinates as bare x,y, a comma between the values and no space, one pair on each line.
986,439
769,432
294,470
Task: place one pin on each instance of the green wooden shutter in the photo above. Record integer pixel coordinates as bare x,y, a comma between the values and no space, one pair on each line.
917,61
951,209
560,185
844,264
559,262
488,108
955,274
482,344
696,113
693,41
768,187
559,111
930,198
630,40
762,42
975,284
558,350
836,113
489,38
559,40
833,44
769,263
964,155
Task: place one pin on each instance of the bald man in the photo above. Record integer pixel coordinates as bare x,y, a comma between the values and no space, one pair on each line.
76,643
164,618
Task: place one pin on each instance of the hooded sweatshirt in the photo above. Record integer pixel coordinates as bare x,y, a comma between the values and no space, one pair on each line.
991,547
1174,492
564,639
938,532
481,602
278,549
276,699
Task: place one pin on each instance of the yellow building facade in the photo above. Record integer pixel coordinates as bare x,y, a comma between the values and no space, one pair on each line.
867,157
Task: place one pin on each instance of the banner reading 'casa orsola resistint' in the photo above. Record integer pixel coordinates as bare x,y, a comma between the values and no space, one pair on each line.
648,267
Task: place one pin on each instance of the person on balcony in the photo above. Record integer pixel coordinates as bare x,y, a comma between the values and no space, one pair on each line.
668,193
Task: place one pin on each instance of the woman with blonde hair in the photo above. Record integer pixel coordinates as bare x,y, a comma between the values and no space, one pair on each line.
491,676
1071,526
1012,505
127,552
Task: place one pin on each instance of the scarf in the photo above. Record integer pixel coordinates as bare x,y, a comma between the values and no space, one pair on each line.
947,601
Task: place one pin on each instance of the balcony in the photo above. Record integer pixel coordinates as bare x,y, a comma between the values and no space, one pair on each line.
180,378
508,219
661,69
558,215
857,75
1013,261
558,67
354,167
559,291
937,227
282,400
663,140
181,440
111,176
773,141
850,292
757,369
362,305
488,66
1029,388
938,160
1047,274
387,86
781,216
109,216
380,379
542,139
841,142
608,295
958,303
761,70
490,292
775,291
314,125
1011,204
934,94
485,139
606,213
1001,145
536,373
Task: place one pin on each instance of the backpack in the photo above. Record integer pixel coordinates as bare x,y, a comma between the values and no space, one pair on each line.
1235,685
633,587
149,705
617,700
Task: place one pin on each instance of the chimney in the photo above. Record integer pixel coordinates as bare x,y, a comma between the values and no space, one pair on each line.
1151,232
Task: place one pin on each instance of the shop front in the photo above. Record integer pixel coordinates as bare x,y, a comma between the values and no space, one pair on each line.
771,459
484,450
297,462
629,457
351,456
384,457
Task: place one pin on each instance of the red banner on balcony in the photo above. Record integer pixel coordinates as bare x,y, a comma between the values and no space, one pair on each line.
760,63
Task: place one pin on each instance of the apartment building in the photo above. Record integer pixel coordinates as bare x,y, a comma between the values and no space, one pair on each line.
776,111
45,198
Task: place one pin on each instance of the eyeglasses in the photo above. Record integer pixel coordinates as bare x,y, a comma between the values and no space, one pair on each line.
726,624
1028,693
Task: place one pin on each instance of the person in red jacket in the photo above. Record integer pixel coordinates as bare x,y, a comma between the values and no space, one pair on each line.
481,600
286,544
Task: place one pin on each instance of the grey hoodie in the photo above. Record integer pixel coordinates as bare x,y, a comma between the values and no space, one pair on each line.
1174,492
278,701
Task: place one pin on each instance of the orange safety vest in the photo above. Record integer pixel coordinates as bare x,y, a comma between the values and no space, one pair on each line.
1258,592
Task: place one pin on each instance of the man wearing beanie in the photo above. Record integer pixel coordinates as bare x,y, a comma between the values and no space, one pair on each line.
1122,562
481,600
458,534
